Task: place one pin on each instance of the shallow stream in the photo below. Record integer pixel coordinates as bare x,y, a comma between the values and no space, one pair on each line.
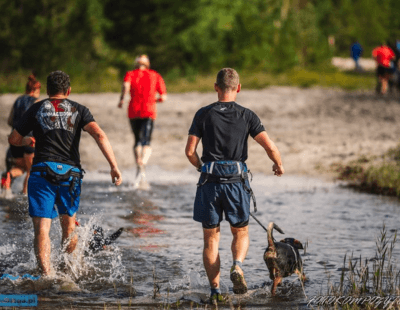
158,258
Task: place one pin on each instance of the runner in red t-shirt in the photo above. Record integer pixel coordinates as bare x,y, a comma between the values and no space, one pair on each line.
143,84
383,56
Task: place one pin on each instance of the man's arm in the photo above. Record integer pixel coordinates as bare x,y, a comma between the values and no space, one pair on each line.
272,151
104,144
190,151
126,87
161,89
16,139
10,117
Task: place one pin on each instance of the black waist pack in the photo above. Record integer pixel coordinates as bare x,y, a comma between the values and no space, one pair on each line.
57,178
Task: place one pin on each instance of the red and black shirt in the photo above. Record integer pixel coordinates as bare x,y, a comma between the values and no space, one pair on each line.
56,125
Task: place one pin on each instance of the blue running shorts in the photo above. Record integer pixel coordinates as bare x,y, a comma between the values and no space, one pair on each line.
215,199
44,197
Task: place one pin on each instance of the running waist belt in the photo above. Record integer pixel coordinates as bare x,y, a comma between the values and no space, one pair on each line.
224,172
57,173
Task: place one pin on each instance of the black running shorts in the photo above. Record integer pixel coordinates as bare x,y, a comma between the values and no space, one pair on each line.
142,128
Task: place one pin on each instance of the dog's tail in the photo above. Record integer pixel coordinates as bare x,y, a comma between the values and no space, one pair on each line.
271,241
114,236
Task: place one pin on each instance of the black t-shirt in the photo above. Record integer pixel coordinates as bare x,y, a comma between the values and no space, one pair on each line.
224,128
57,125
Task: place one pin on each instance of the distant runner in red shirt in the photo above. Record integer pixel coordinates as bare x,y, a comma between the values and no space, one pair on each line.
143,84
383,56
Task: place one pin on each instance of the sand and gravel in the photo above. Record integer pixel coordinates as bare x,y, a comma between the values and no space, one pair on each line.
313,128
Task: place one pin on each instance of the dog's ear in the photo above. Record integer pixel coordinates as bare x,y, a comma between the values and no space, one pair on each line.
293,242
298,244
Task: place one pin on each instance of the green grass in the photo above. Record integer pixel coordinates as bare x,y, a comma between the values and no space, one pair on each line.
110,80
295,77
380,175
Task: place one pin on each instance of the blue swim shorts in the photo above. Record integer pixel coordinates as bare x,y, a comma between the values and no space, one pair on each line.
44,196
215,199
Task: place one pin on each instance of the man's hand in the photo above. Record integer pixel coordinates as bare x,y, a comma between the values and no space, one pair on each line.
278,170
16,139
161,98
120,104
116,176
33,142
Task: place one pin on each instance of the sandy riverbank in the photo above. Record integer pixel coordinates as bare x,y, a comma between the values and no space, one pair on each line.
312,128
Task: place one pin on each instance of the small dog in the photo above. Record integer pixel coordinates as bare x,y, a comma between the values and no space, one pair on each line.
99,242
282,258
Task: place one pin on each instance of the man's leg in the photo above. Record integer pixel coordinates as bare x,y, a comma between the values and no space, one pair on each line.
68,227
240,243
384,83
42,243
146,153
146,131
239,247
137,150
146,128
137,147
19,168
28,164
211,255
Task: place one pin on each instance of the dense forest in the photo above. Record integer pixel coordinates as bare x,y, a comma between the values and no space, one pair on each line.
188,37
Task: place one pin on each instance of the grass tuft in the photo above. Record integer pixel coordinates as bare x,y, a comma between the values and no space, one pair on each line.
380,175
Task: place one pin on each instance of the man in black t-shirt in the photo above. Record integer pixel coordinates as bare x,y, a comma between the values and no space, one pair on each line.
224,128
56,174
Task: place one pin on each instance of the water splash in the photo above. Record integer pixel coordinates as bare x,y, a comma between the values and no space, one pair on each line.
70,272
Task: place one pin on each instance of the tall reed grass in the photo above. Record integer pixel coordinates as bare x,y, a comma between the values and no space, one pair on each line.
368,283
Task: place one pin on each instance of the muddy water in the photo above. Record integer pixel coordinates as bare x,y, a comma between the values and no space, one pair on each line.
157,260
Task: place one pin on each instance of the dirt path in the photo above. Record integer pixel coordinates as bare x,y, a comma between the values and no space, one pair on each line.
312,128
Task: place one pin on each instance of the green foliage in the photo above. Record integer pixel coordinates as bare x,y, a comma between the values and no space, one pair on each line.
371,22
46,35
191,37
312,44
384,179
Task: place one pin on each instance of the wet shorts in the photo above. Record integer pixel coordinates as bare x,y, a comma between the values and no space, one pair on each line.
44,197
19,151
213,200
142,129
